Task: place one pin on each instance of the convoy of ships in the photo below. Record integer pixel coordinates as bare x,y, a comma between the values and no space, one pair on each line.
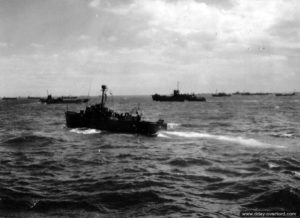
98,116
175,96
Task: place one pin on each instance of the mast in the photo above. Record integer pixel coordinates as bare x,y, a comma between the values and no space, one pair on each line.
176,91
104,87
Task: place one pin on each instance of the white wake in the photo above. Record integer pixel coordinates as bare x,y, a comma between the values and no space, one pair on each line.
234,139
173,125
85,131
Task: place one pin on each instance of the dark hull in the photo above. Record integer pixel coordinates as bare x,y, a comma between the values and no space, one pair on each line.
9,99
167,98
221,95
250,94
179,98
77,120
288,94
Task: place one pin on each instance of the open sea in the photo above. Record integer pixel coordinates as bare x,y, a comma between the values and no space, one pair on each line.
216,159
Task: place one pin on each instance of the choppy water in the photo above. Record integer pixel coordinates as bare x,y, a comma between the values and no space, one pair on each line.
216,159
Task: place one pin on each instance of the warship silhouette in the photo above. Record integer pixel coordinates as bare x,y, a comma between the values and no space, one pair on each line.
285,94
177,96
63,100
100,117
221,94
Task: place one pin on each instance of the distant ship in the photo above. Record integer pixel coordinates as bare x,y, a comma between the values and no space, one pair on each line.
98,116
285,94
221,94
9,99
63,100
177,96
249,93
33,98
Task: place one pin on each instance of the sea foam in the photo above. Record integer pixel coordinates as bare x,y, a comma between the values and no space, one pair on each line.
173,125
85,131
273,165
161,135
233,139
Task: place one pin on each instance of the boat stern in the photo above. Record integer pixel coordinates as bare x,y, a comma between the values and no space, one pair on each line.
162,124
73,119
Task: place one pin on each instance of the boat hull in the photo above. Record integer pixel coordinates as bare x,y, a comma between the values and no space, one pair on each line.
221,94
178,98
167,98
78,120
287,94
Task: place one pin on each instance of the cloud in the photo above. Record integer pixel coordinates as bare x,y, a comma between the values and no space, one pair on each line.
224,4
51,23
109,3
287,29
95,3
3,44
207,44
36,45
83,37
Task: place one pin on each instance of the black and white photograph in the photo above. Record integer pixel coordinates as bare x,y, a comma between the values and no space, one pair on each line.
149,108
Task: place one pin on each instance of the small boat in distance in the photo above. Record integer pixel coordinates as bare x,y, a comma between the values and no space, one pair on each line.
63,100
100,117
9,99
285,94
249,93
221,94
177,96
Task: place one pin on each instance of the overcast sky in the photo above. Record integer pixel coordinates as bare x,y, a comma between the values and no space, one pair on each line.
146,46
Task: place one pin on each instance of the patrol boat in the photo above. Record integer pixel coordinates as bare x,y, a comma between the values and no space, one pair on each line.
100,117
285,94
221,94
177,96
63,100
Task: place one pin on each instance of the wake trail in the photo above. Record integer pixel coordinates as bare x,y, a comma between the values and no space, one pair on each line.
234,139
85,131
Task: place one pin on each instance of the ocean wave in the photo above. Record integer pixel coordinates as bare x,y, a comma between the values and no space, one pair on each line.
70,205
297,174
289,164
233,139
201,178
126,199
283,135
189,125
273,166
161,135
287,198
114,186
85,131
237,189
10,204
170,210
27,140
224,171
185,162
220,124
